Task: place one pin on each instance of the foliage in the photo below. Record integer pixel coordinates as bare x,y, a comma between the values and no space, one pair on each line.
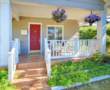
58,15
97,57
65,73
78,76
88,32
92,18
4,83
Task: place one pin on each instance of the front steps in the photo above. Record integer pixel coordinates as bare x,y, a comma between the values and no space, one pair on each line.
32,76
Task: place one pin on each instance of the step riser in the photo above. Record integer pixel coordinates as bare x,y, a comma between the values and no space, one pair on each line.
31,82
31,72
36,72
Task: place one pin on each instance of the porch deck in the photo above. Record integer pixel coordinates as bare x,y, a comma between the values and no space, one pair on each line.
26,58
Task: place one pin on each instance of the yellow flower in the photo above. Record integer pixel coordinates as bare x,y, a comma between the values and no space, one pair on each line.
104,53
96,59
98,47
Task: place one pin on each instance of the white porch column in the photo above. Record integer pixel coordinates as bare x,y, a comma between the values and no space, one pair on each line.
5,30
101,30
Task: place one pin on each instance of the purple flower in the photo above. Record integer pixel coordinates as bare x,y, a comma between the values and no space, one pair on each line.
58,9
92,18
59,15
63,11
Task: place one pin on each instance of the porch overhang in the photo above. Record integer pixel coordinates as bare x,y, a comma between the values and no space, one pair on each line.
86,4
27,9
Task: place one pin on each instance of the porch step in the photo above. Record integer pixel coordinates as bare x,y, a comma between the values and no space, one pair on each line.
31,65
31,72
33,76
73,59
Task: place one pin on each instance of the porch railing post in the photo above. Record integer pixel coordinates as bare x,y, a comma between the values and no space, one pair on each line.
49,63
45,48
17,50
76,45
10,67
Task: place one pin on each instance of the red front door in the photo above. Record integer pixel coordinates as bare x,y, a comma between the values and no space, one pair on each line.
34,37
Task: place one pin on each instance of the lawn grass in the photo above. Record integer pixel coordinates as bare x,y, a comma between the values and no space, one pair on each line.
100,85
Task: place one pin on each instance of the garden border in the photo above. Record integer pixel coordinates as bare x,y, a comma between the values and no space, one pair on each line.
99,78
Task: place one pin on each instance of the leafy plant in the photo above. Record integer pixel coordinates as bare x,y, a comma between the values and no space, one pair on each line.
64,73
4,83
97,57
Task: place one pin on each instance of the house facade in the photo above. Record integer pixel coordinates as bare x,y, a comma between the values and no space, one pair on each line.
31,21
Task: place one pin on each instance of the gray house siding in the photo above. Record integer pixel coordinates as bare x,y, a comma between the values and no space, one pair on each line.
71,30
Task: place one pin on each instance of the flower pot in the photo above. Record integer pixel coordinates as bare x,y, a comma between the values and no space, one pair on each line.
58,21
90,24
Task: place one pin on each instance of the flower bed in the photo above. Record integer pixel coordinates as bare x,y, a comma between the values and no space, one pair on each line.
68,73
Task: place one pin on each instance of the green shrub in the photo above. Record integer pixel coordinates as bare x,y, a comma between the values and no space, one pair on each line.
4,83
88,32
108,29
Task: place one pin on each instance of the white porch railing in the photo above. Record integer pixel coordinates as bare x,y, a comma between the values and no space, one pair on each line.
69,48
47,57
88,46
12,43
13,59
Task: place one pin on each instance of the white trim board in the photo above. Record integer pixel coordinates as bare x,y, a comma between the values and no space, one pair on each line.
29,36
55,27
79,83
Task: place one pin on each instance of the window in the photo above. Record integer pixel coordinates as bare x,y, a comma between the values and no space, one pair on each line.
54,33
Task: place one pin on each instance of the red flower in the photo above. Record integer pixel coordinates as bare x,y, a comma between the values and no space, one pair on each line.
53,67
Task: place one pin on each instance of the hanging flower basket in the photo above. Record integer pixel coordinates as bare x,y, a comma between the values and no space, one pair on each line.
92,18
59,16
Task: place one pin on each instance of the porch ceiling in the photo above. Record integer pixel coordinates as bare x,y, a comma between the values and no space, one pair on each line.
44,11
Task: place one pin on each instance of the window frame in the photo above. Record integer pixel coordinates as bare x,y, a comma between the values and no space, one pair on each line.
55,26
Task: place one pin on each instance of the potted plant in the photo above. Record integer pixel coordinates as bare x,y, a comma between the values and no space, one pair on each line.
92,18
59,16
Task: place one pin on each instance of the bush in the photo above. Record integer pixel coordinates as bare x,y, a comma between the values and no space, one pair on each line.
4,83
88,32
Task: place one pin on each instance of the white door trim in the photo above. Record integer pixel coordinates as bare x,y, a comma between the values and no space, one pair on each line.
29,36
55,27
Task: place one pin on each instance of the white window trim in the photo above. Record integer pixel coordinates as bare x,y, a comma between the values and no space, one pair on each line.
55,27
29,36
